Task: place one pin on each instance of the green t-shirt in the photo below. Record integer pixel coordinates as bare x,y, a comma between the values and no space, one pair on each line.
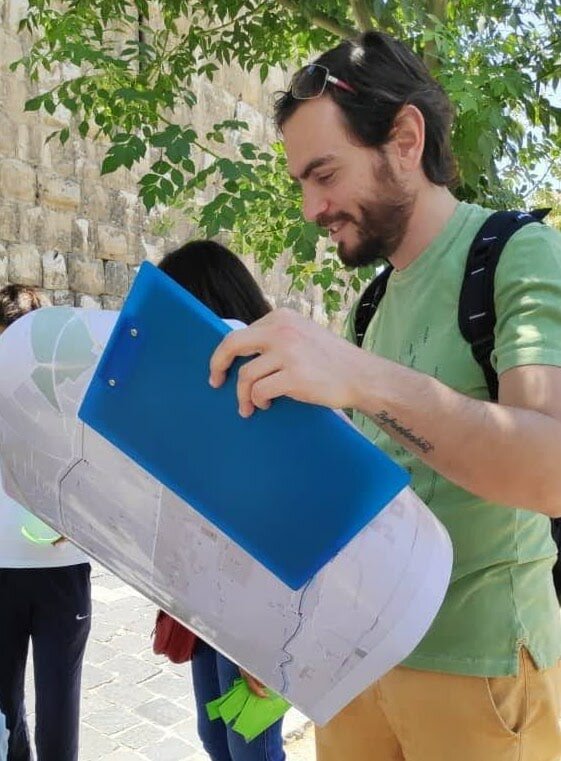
501,595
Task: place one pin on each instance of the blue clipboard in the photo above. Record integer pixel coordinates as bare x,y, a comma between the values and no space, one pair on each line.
291,485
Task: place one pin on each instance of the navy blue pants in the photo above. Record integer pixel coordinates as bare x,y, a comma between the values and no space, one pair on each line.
213,675
51,607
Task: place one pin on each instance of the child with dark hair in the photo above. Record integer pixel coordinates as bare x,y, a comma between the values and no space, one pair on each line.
44,599
218,278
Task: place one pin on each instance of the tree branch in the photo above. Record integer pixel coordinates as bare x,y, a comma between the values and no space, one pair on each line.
362,14
320,19
439,9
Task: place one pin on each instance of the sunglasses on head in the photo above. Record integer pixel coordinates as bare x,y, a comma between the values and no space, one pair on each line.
311,81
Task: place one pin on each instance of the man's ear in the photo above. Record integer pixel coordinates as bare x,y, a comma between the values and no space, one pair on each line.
408,138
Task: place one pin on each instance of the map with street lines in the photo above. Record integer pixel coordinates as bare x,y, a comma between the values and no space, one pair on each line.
319,646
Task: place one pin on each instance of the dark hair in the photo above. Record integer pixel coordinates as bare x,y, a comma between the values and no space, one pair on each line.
218,278
17,300
385,76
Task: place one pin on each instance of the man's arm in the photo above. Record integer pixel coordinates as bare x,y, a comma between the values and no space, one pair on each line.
508,453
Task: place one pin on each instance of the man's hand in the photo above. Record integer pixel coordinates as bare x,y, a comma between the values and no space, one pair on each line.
257,687
58,541
294,357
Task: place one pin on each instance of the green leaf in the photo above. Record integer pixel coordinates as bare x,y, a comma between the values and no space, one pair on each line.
177,178
34,104
161,167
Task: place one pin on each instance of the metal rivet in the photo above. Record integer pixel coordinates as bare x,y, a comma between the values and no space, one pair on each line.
112,382
134,332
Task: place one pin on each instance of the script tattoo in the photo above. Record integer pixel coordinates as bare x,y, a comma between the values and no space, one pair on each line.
383,418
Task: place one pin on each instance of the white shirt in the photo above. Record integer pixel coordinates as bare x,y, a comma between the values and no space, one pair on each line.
18,552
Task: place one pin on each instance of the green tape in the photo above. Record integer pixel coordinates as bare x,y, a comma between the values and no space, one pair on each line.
247,713
38,539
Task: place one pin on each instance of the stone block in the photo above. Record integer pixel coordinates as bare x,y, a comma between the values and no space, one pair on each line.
124,208
14,12
89,171
55,276
141,735
23,150
24,264
59,193
112,303
162,712
112,243
85,301
170,749
55,233
116,278
10,47
16,93
9,223
62,298
133,247
31,224
63,157
80,236
96,201
8,137
17,180
86,276
109,721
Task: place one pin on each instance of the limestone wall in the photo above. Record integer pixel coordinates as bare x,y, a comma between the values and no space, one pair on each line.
77,235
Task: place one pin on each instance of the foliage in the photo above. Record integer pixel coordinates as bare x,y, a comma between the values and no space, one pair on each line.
549,196
136,65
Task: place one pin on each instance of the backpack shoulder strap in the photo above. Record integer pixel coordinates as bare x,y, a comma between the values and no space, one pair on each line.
476,308
368,303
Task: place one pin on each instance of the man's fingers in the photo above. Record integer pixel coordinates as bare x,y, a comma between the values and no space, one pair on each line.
269,388
249,374
238,343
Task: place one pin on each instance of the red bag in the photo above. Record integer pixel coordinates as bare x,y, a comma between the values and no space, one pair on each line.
172,639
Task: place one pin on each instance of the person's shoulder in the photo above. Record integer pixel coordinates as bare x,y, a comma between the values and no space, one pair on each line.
533,250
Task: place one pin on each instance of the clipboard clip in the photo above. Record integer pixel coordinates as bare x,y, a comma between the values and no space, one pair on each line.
116,363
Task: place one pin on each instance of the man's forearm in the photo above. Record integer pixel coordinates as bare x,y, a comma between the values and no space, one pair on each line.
501,453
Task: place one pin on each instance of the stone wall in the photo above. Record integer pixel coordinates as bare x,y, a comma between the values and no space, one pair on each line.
79,236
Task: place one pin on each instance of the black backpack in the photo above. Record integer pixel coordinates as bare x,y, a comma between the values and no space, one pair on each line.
476,308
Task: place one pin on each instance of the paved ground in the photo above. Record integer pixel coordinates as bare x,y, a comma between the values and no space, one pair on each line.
137,706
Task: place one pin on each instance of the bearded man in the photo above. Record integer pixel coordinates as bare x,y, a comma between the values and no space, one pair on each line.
367,136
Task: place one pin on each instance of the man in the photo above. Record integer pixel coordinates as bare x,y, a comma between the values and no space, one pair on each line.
44,598
367,135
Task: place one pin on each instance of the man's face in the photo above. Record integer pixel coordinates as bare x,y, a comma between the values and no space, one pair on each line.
347,188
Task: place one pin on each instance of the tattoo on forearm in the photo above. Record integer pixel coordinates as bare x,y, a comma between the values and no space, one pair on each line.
383,418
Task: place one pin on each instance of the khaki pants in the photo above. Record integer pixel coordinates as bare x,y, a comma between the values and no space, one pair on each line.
412,715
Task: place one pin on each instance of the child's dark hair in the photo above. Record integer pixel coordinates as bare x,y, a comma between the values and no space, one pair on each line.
17,300
218,278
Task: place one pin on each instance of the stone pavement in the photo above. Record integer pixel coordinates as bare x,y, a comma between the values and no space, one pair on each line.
137,706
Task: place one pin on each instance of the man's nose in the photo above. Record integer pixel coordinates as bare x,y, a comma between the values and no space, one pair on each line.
313,205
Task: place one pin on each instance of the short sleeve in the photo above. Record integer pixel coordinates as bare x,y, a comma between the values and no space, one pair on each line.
528,300
349,325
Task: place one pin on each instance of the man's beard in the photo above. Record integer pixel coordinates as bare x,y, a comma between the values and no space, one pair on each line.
382,224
